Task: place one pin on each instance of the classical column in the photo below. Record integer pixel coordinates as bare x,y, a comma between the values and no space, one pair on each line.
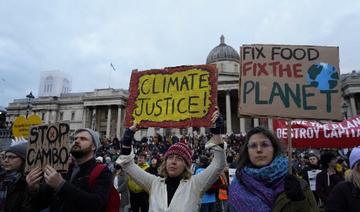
161,131
93,118
118,122
190,131
256,122
228,113
270,124
177,132
108,122
242,126
202,131
84,117
53,116
47,117
352,106
150,131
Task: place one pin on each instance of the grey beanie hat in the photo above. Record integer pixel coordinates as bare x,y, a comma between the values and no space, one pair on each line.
354,157
94,135
18,149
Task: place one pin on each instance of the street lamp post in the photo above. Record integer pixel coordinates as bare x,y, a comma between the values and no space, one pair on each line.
345,109
29,99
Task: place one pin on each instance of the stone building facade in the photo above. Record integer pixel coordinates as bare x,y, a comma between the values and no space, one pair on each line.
104,109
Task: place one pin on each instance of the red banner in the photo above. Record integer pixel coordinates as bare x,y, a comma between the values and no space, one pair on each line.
313,134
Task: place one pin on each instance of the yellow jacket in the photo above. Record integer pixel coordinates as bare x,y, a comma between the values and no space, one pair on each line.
134,187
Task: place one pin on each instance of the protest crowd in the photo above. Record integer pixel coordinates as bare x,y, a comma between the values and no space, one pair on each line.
211,172
330,178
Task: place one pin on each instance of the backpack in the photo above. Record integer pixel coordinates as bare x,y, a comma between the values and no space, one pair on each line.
113,202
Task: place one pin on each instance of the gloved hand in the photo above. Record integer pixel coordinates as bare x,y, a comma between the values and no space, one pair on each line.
219,124
293,188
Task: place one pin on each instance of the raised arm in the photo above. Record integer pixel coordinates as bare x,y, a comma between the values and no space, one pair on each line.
205,179
126,161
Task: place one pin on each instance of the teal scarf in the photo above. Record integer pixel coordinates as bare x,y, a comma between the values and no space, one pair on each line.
277,169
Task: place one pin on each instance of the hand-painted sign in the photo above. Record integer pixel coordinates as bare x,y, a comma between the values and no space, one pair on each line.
312,134
290,81
172,97
48,145
21,125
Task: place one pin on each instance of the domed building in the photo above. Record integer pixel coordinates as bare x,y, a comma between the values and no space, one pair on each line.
225,57
227,61
104,109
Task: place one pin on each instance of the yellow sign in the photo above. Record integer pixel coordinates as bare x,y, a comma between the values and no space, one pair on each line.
175,97
21,125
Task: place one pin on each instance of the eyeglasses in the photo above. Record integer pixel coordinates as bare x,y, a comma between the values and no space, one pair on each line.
10,157
263,145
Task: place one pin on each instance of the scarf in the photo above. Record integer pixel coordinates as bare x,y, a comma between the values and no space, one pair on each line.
7,181
258,188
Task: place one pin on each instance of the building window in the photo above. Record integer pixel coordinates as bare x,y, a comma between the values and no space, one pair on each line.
43,116
61,116
236,68
72,116
48,84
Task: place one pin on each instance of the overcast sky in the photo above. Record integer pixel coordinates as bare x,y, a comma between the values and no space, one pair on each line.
82,37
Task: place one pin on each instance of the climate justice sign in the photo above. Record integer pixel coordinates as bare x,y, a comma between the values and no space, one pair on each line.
290,81
172,97
312,134
48,145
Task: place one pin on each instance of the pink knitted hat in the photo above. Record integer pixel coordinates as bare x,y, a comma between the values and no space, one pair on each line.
180,149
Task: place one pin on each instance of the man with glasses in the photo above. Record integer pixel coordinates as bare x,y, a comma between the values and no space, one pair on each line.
72,192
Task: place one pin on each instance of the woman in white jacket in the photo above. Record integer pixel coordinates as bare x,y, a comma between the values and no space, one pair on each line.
177,190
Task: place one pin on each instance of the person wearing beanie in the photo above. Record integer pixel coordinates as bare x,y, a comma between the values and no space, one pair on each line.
176,189
346,195
13,188
328,178
71,191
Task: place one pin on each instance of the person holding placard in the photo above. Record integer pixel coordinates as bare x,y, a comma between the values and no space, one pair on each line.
177,189
72,192
262,181
13,188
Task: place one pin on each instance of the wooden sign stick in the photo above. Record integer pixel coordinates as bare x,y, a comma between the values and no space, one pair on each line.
289,146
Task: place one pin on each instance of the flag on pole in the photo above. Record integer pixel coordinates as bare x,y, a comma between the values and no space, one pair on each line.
112,66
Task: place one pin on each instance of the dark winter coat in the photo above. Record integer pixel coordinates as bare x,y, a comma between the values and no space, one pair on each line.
17,198
75,194
323,186
344,197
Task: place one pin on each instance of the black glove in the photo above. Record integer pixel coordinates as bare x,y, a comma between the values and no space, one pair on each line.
126,141
293,188
219,124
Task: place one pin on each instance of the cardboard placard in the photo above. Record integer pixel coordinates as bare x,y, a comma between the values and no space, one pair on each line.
48,145
173,97
290,81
